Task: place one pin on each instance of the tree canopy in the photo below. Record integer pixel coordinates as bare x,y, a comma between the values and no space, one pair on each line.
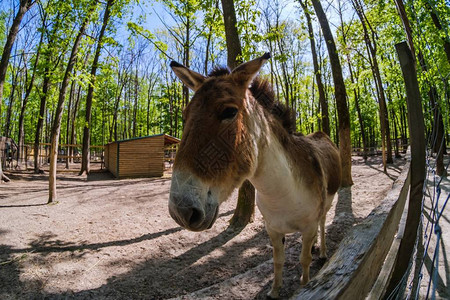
134,93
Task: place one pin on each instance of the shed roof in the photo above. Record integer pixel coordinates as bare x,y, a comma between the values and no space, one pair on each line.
168,139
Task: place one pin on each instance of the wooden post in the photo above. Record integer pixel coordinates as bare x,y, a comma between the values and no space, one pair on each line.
417,138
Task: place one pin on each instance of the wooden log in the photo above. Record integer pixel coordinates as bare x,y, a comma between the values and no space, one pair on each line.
417,138
352,270
379,289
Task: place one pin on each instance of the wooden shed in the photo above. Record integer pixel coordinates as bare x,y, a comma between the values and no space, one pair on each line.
140,157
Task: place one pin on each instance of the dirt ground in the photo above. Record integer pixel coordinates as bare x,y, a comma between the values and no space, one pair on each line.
114,239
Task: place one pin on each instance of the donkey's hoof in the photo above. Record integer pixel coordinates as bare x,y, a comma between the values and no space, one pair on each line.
273,294
304,281
322,260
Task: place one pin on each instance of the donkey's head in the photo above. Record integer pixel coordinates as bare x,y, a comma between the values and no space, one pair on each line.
217,152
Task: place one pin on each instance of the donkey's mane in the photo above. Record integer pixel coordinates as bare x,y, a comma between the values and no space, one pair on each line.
262,91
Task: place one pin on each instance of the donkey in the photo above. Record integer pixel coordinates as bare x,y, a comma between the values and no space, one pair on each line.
235,130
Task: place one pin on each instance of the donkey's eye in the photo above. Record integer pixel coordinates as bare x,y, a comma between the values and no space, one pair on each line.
228,113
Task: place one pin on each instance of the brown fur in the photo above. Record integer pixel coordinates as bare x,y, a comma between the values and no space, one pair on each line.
227,126
315,150
221,149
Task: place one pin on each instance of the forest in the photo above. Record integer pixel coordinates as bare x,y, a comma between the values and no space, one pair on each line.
76,75
91,72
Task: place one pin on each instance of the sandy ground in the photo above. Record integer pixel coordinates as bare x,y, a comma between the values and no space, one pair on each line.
111,239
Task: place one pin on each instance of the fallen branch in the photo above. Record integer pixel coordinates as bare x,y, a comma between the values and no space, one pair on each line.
5,178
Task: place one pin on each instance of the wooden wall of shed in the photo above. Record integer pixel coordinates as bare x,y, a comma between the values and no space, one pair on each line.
112,158
142,157
106,157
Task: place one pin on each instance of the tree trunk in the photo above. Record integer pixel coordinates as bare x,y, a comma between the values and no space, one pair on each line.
40,121
234,50
56,128
25,5
355,89
69,114
10,104
210,32
245,207
27,96
417,169
322,99
437,24
246,200
73,138
85,161
345,147
372,53
135,105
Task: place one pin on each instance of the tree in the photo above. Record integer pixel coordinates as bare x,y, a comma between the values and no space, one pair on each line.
355,87
234,49
24,6
345,147
322,99
85,162
372,55
245,207
53,55
56,127
437,137
29,88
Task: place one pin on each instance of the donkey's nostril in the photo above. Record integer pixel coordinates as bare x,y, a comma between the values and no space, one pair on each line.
196,217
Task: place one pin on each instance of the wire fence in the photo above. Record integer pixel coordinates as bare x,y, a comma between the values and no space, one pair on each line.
430,279
430,276
428,273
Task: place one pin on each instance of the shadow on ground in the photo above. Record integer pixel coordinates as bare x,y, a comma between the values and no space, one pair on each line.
162,277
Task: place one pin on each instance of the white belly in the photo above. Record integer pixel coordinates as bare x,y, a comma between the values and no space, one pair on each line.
290,213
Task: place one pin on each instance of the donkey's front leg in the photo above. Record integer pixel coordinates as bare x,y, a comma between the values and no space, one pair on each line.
277,240
309,236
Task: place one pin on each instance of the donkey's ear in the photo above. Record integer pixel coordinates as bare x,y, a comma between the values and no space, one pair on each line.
246,72
191,79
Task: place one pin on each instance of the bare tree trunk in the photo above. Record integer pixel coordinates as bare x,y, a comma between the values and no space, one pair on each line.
345,147
85,161
56,128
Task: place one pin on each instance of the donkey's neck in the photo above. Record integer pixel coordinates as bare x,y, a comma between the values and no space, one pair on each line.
274,174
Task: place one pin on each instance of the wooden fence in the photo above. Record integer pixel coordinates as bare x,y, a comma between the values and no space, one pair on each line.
71,152
372,261
362,265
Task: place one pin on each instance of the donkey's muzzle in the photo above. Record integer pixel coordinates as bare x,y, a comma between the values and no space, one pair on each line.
187,216
191,216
